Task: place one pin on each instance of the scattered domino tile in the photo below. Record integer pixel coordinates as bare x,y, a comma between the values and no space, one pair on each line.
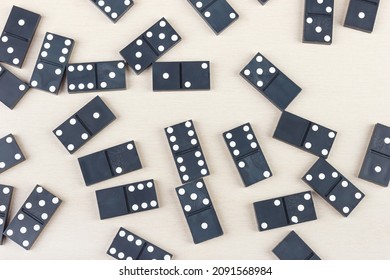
318,21
247,155
187,75
113,9
201,217
127,199
96,76
150,46
218,14
270,81
10,153
32,218
285,211
292,247
333,187
51,63
199,211
361,14
5,203
17,36
12,89
109,163
187,152
82,126
376,164
304,134
128,246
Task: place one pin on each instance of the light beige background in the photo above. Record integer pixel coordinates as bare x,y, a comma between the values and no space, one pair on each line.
345,87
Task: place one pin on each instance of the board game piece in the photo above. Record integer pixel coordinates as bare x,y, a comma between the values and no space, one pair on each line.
128,246
96,76
247,154
113,9
376,164
17,36
318,21
186,75
361,14
284,211
5,204
12,89
51,63
85,124
292,247
187,152
109,163
218,14
127,199
304,134
10,153
199,211
270,81
332,186
33,217
150,46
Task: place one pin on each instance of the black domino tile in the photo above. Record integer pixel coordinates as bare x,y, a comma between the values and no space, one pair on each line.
141,53
218,14
32,217
17,36
84,124
5,204
376,164
127,199
186,151
12,89
128,246
199,211
292,247
304,134
51,63
113,9
10,153
185,75
284,211
247,154
361,15
109,163
270,81
96,76
318,21
332,186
